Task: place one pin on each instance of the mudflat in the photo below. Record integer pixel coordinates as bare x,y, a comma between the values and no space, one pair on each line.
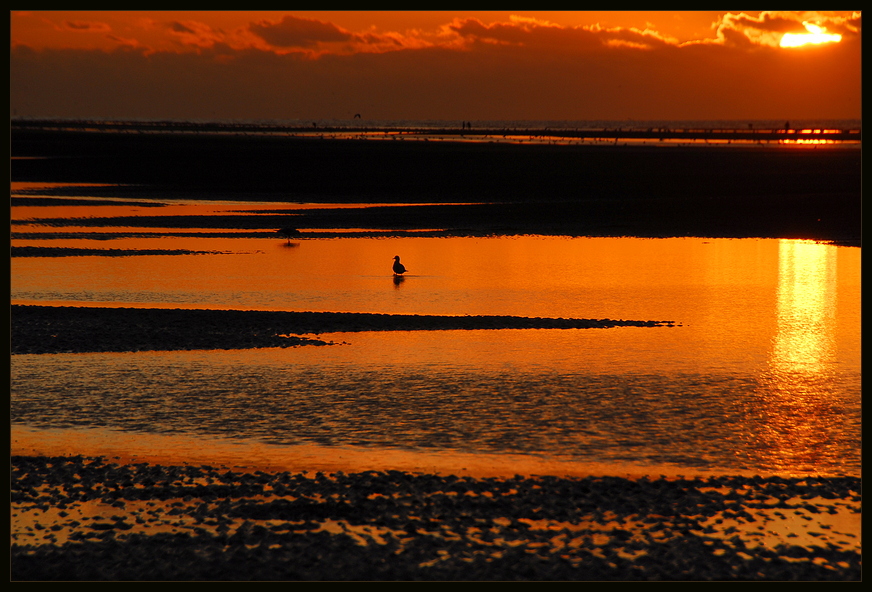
473,187
64,329
79,518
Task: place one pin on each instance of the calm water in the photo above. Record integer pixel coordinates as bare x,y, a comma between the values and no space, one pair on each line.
762,371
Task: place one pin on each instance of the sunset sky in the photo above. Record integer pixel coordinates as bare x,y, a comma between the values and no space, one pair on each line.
451,65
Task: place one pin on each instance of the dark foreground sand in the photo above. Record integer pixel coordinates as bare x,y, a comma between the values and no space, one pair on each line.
67,329
77,518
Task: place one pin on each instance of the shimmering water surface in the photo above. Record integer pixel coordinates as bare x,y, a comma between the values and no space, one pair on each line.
760,373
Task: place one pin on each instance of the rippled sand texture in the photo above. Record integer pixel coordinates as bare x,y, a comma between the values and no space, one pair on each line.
76,518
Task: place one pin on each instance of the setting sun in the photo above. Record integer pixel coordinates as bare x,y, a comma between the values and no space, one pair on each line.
815,36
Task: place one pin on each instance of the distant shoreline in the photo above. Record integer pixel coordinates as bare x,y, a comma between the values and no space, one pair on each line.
496,188
767,135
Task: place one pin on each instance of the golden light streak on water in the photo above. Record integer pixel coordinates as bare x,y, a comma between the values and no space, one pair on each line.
800,403
806,298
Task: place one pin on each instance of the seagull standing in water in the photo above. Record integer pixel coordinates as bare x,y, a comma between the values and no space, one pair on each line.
399,268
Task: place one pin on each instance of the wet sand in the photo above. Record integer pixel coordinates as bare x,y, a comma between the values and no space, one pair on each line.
79,518
66,329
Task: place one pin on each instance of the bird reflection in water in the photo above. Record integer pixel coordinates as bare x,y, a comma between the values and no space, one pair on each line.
399,270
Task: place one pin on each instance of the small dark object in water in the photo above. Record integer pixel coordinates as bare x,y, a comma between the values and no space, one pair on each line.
288,232
399,268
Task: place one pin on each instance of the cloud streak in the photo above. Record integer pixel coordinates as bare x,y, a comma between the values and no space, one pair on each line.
297,32
87,26
194,34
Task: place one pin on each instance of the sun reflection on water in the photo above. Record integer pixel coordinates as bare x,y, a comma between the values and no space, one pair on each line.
801,414
805,306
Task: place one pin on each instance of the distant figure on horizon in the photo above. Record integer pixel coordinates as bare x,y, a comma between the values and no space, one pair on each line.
357,116
399,268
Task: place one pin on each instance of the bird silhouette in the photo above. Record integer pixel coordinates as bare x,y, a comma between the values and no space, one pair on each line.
399,268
